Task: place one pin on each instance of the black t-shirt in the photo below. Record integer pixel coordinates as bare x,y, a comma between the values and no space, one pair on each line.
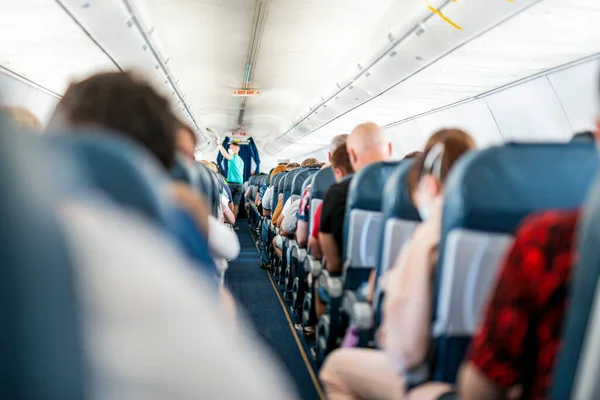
334,211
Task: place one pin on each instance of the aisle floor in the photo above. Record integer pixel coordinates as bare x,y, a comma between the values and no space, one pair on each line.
253,289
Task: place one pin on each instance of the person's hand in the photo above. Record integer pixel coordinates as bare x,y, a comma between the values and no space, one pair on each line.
217,137
195,205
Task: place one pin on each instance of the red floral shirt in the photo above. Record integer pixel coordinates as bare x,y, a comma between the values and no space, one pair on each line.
520,336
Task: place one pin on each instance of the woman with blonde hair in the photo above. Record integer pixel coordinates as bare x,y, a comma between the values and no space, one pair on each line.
405,332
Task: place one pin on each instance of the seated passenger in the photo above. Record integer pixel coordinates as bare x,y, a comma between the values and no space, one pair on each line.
302,234
365,145
266,212
518,340
22,118
186,141
406,325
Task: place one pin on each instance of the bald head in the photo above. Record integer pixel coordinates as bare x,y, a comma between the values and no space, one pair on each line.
367,145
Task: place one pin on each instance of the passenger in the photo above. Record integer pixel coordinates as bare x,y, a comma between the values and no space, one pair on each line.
22,118
585,136
292,166
412,155
304,209
186,141
366,145
516,344
266,212
310,162
235,172
406,325
341,166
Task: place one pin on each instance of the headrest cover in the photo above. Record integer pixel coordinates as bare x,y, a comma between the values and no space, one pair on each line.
366,189
122,170
495,188
396,196
321,182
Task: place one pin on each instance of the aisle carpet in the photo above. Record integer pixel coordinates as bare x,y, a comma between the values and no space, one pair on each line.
252,288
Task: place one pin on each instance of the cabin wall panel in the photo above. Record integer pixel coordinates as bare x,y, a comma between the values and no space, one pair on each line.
14,92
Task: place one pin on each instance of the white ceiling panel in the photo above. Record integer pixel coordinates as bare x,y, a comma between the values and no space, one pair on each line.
484,130
530,112
39,41
548,34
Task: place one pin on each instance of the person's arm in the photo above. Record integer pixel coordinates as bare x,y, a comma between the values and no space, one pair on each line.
302,233
224,152
371,285
185,197
474,385
315,248
266,213
222,241
331,253
408,299
228,215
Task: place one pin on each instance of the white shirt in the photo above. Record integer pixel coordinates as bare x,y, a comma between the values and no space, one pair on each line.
222,241
152,327
290,220
267,198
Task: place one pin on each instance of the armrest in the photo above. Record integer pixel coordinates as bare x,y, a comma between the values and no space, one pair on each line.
313,266
417,375
332,284
299,253
360,312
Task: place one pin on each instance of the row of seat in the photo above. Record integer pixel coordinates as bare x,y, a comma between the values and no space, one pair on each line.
487,195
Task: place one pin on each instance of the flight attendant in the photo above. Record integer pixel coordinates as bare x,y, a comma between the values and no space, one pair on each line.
235,173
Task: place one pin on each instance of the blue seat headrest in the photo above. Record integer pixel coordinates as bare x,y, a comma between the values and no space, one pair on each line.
495,188
122,170
41,340
300,179
366,189
397,202
322,180
288,183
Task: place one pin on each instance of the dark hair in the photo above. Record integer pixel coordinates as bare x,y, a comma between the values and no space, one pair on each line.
309,161
583,137
180,125
130,106
340,159
442,150
234,144
293,165
414,154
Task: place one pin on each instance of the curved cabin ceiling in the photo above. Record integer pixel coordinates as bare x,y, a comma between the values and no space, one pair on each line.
322,66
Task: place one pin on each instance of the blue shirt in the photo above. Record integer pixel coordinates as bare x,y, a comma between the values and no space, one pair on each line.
235,170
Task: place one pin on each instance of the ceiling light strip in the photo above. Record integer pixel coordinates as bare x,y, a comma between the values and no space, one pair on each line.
164,69
88,34
364,70
28,82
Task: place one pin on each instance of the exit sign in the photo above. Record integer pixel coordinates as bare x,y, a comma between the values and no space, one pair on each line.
246,92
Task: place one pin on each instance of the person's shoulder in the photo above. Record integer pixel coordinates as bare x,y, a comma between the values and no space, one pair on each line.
547,226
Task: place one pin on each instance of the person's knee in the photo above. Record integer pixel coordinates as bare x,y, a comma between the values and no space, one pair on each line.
329,370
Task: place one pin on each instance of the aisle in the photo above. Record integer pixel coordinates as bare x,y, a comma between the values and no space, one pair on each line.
253,289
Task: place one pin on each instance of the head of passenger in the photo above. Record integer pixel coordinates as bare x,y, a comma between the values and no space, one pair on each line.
186,140
292,166
586,136
434,166
22,118
367,145
276,170
336,142
412,155
309,162
340,163
234,148
124,103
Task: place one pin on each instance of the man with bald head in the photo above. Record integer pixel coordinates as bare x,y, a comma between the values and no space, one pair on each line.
366,145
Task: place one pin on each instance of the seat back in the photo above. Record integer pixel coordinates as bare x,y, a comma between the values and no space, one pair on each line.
288,183
299,180
275,183
488,193
122,170
399,220
41,340
578,366
321,182
364,216
280,187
